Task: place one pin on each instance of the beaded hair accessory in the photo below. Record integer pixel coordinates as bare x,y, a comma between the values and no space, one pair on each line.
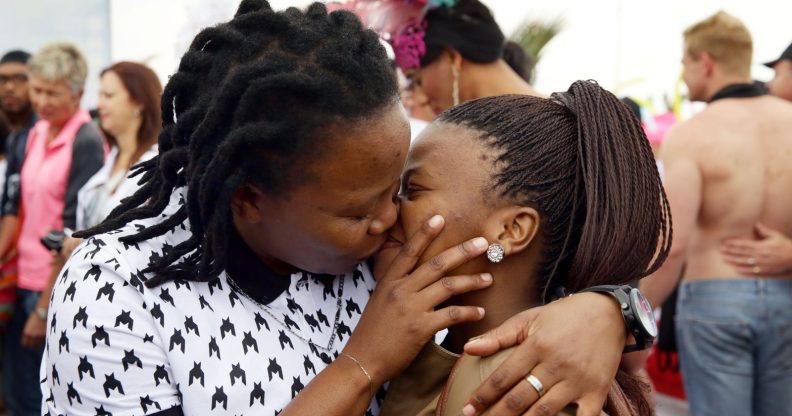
399,22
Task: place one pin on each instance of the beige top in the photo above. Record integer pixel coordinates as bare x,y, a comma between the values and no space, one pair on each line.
439,382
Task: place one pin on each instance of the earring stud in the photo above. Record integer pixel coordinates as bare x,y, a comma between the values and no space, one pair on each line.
495,253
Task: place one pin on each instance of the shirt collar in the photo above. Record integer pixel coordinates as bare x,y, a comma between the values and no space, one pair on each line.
251,276
742,90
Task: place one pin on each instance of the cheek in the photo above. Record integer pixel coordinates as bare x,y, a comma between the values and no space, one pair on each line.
412,215
785,84
434,86
458,225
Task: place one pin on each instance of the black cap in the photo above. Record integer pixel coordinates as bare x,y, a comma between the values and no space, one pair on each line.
786,55
15,56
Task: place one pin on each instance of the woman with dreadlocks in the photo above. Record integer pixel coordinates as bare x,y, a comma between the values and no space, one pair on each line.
561,187
232,281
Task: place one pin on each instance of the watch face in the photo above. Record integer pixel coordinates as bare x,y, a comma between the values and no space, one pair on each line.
643,312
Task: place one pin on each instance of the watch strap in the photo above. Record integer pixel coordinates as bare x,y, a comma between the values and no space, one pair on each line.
622,296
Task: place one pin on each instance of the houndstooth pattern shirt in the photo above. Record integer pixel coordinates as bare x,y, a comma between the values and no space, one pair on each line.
225,347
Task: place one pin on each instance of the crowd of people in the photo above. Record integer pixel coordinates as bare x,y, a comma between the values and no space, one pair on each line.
263,235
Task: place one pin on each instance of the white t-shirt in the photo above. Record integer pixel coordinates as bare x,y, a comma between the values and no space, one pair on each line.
104,191
117,346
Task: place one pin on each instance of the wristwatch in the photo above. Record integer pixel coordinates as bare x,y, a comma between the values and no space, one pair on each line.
636,311
41,313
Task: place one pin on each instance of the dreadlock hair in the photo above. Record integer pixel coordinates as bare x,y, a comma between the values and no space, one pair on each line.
582,160
250,97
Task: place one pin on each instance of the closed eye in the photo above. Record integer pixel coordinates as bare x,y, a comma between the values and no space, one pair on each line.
410,191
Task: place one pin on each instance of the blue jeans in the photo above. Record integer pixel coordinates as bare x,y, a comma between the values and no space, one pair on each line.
21,365
735,346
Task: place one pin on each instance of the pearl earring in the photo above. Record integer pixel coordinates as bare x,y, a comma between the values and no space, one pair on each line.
495,253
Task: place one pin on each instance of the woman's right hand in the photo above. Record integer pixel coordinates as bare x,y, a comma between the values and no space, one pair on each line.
400,316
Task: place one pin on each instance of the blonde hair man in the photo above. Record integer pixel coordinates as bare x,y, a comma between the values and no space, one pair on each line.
728,168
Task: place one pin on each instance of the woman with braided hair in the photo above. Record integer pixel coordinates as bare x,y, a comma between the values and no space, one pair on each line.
235,280
563,186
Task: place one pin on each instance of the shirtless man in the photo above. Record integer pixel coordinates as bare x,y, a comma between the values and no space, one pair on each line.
726,169
770,253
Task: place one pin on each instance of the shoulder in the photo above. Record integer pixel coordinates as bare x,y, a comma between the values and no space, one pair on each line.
99,325
88,137
689,139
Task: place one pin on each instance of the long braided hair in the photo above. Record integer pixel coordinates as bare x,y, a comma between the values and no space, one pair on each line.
582,160
250,98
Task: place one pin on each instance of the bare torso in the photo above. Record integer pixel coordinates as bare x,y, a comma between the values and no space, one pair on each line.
744,155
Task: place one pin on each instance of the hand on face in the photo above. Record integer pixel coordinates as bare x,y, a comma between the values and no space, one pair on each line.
400,317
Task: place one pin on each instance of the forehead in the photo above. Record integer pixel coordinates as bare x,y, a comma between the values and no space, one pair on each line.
110,80
361,160
12,68
451,152
37,81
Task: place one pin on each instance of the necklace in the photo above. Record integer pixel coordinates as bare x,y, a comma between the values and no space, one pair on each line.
314,346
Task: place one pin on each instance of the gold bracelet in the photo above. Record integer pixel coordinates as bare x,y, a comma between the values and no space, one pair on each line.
371,382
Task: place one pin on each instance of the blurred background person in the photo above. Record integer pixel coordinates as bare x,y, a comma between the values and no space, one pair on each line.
63,151
15,103
14,99
463,60
131,119
518,60
781,84
726,169
770,251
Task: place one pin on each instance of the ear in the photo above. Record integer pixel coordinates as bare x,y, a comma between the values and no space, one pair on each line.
517,228
138,107
708,63
245,206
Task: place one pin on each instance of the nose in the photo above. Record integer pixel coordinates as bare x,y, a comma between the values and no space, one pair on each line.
386,219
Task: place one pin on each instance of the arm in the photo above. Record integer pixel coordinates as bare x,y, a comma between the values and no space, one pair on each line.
87,159
9,204
548,343
35,330
9,225
684,187
74,316
770,254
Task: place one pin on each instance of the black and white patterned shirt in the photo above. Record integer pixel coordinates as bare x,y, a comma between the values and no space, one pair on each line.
242,344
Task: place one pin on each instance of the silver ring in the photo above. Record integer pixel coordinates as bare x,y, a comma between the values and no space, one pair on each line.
536,384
